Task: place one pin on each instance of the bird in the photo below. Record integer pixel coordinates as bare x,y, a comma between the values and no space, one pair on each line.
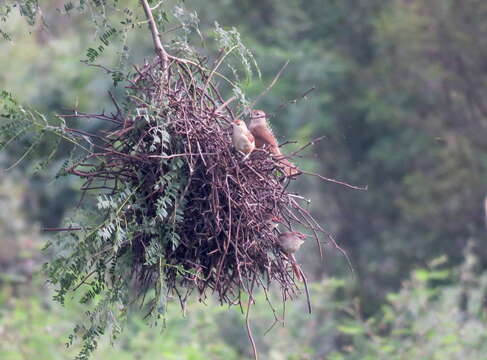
259,127
262,132
242,138
290,242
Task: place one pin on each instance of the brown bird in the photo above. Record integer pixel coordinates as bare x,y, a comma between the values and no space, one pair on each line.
242,138
263,135
290,242
262,132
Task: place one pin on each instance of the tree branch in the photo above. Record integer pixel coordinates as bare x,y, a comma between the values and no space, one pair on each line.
161,52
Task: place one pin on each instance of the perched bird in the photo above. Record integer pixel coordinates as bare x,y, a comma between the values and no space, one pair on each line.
290,242
262,132
242,139
263,135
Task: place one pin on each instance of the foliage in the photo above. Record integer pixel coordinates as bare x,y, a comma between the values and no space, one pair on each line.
179,211
398,96
19,242
32,327
424,319
431,317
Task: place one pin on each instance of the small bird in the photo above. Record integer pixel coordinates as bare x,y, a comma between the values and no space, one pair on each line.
262,132
242,138
290,242
263,135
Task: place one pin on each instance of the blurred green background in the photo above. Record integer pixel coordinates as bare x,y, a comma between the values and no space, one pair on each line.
400,99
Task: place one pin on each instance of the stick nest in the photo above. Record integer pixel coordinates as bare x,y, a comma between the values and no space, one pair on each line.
192,213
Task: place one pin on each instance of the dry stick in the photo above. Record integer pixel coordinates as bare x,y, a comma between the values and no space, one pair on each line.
159,4
225,104
85,134
64,229
220,97
344,253
108,70
306,215
293,101
276,318
272,326
283,308
363,188
201,68
305,282
319,228
155,35
273,82
215,68
312,142
119,111
89,116
179,155
247,324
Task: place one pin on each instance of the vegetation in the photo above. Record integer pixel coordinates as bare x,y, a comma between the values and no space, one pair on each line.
399,97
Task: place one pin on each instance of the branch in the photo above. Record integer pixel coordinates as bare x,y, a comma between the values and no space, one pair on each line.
155,34
273,82
364,188
63,229
247,324
293,101
225,104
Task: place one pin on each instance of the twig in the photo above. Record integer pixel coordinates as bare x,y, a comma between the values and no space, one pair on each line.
225,104
293,101
178,155
305,282
108,70
363,188
119,110
63,229
273,82
249,330
215,68
344,253
158,4
161,52
312,142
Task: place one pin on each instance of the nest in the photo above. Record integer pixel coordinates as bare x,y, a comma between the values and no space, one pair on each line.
200,215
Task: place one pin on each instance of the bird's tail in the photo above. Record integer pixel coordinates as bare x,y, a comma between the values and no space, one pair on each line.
288,167
295,266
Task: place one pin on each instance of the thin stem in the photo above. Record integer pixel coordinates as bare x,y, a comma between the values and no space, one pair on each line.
363,188
161,52
273,82
249,330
